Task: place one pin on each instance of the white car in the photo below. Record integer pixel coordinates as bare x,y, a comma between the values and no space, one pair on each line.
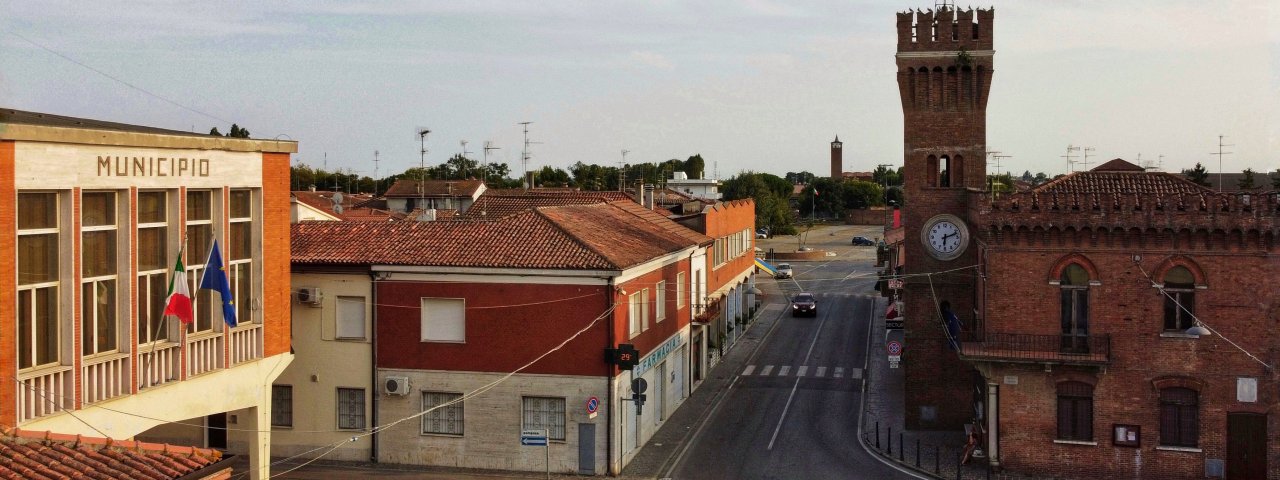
784,271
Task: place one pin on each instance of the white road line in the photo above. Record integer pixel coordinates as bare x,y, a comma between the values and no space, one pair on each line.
766,371
782,372
839,373
747,372
855,373
822,372
784,415
803,369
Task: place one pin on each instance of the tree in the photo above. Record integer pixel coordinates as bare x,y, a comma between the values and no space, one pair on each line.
551,177
236,132
1197,175
797,178
1002,183
884,176
215,131
1275,180
1040,179
1246,182
695,166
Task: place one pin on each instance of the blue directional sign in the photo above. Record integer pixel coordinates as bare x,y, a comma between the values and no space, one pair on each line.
536,438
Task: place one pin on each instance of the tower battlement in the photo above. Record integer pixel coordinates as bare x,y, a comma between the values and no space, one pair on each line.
946,30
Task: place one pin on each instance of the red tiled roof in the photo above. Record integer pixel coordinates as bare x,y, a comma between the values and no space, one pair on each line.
1119,176
354,207
609,236
47,455
434,188
501,203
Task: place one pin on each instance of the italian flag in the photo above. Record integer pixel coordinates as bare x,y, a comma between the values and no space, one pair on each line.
179,304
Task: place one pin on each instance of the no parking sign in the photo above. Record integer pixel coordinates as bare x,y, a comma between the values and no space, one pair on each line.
593,406
894,348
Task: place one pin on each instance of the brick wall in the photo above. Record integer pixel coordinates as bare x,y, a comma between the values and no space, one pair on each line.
275,253
8,286
727,218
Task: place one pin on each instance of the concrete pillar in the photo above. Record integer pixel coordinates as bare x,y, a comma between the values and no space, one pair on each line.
993,422
259,430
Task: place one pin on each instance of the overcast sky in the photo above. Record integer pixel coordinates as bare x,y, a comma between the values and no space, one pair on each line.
756,85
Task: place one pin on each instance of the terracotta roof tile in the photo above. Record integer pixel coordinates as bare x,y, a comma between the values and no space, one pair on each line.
434,188
607,236
501,203
39,455
1119,176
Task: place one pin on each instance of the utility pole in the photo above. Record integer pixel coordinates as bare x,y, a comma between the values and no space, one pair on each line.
884,184
1069,157
1220,154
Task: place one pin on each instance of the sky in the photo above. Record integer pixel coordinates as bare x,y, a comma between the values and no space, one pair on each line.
751,85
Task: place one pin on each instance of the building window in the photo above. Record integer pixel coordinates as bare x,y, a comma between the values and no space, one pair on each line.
153,266
199,242
1074,284
680,290
282,405
37,263
446,418
350,408
240,254
1179,299
660,302
633,314
1075,411
444,320
644,309
99,264
1179,417
545,413
351,323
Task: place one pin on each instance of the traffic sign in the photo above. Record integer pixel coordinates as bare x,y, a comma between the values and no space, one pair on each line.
894,347
533,438
639,385
593,405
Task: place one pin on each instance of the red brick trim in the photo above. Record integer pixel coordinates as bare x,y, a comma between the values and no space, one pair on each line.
1180,261
1082,377
1171,381
8,284
1055,273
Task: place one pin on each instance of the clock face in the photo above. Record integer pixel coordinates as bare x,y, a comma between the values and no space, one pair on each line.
945,237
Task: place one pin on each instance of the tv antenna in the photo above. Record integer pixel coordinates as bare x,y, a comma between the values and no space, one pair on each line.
524,156
462,172
488,145
1085,160
376,180
422,165
1070,158
1220,153
622,171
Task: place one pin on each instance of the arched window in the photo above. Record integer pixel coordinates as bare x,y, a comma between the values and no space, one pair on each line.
1179,299
1075,411
931,166
1075,308
944,171
1179,417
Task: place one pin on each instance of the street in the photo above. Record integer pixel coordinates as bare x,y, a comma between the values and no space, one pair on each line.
792,411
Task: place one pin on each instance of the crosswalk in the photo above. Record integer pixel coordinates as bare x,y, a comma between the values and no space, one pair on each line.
801,371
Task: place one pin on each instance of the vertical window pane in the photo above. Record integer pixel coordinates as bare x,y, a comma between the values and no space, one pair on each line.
38,258
240,246
241,204
199,241
37,210
153,294
25,325
98,316
350,408
151,248
545,413
446,419
243,277
98,209
46,324
151,207
351,317
99,253
282,405
199,205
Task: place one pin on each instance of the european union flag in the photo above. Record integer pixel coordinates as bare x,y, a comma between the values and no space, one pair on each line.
214,278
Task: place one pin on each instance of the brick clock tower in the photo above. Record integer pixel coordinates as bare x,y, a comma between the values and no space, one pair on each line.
837,160
944,75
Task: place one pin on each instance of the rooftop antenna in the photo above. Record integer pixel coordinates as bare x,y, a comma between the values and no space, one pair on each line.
461,171
376,181
524,155
1085,161
337,202
1220,153
488,145
622,171
422,165
1070,157
1160,162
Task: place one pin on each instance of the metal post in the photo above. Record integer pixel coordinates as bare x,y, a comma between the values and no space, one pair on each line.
889,441
917,453
877,435
936,470
546,433
900,451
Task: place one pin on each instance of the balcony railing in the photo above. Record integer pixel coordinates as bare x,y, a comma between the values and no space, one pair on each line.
44,392
246,343
158,364
204,354
1029,348
105,377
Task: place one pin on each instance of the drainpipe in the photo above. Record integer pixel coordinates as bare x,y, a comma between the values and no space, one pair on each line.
373,364
993,410
608,380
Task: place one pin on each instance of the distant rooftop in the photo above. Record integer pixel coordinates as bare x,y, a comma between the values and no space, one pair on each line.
1119,176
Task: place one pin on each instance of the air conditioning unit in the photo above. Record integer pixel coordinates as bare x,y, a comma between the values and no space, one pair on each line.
310,296
397,386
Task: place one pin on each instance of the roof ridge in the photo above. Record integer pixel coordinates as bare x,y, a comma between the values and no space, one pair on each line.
537,211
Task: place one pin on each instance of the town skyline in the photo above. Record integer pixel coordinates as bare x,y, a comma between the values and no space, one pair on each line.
750,87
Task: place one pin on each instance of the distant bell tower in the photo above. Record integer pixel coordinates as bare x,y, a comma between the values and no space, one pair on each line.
944,62
837,160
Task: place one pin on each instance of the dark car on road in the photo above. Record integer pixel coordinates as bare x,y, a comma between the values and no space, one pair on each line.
863,242
804,304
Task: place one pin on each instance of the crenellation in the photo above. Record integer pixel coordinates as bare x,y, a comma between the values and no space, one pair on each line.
947,29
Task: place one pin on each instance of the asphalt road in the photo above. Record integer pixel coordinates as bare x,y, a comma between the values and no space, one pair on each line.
792,412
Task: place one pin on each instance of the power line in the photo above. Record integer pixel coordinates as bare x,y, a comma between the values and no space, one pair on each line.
112,77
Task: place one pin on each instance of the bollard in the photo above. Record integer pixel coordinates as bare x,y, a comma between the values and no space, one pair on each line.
917,453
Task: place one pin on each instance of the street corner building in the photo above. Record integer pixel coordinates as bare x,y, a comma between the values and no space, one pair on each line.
458,336
101,222
1112,323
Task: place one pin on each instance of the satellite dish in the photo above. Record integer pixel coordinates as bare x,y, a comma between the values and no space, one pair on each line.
337,197
337,202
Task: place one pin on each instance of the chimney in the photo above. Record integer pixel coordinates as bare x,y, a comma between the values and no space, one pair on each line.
312,187
648,197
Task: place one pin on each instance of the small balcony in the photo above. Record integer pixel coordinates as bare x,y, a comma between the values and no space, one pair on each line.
1028,348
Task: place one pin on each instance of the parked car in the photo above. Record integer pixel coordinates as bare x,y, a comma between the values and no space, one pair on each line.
762,233
863,242
804,304
784,271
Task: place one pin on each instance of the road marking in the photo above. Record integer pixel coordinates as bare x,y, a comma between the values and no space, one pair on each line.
801,371
822,372
784,414
747,372
855,373
839,373
767,369
782,372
